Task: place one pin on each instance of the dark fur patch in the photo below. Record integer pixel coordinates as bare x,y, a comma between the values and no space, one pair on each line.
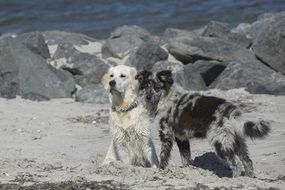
198,116
256,130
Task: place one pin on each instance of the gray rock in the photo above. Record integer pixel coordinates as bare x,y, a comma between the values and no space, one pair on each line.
189,78
189,50
123,40
34,74
263,22
35,97
242,28
9,84
66,51
146,56
35,42
86,68
166,65
92,94
222,31
209,70
92,69
171,33
256,78
55,37
269,44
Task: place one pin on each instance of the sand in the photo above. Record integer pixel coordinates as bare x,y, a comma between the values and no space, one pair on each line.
62,143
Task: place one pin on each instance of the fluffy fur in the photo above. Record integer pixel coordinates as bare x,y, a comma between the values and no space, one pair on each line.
129,120
182,115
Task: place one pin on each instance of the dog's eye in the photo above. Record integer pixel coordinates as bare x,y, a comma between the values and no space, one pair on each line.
122,76
111,75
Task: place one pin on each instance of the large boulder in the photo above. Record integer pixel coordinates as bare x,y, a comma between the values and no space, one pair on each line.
189,50
242,28
167,65
92,94
189,78
209,70
255,77
123,40
55,37
186,76
269,43
222,31
171,33
35,42
9,84
86,68
34,75
146,55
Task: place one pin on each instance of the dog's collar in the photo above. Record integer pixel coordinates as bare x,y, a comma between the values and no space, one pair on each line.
131,106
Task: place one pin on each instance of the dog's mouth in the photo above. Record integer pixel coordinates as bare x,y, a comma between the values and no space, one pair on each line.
113,90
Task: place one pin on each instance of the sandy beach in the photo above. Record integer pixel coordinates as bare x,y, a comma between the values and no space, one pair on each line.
48,144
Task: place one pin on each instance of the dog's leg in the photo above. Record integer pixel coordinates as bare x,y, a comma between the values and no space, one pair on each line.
151,154
227,154
112,154
244,158
166,138
185,152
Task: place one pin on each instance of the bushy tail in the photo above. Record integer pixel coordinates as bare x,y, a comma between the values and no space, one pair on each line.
256,129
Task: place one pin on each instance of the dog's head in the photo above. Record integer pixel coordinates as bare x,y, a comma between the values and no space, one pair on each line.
154,85
164,81
120,79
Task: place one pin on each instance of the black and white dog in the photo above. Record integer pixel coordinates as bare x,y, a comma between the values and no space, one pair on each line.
182,115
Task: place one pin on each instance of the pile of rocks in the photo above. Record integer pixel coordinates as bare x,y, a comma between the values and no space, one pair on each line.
55,64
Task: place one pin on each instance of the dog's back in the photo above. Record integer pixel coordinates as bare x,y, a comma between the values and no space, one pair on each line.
194,114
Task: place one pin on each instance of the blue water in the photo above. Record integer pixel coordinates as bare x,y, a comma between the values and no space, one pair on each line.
98,18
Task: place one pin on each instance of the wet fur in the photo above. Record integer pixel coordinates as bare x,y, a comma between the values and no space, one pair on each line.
182,115
129,124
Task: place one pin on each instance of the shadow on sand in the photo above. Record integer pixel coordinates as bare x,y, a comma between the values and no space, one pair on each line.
210,161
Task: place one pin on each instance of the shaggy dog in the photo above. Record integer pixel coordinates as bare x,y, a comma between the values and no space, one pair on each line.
182,115
129,119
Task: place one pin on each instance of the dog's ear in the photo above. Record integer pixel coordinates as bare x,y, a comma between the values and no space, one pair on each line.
105,80
143,75
165,76
134,82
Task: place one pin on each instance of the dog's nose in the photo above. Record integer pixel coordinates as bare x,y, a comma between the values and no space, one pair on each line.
112,83
148,97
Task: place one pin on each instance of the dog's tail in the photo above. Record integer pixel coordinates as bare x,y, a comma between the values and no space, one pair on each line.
257,129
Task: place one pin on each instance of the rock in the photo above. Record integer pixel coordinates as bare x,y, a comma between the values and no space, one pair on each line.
269,44
242,28
146,56
209,70
35,97
264,21
256,78
55,37
222,31
9,84
185,76
171,33
123,40
92,94
87,68
35,42
65,51
166,65
189,50
34,74
189,78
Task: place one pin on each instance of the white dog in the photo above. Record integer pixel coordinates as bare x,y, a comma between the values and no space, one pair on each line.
129,119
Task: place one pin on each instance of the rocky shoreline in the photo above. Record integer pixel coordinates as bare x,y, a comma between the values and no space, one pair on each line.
55,64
